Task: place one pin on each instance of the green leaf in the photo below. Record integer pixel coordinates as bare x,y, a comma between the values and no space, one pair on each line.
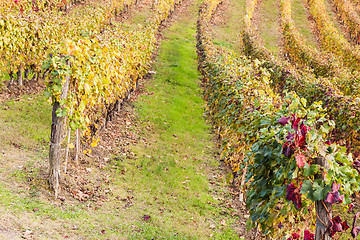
318,194
325,129
61,112
310,170
280,190
319,190
306,187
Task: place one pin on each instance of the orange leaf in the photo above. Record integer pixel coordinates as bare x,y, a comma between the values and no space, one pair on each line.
300,160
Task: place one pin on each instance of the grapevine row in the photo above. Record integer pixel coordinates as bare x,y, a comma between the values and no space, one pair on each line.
332,41
25,6
323,64
249,117
295,47
350,18
28,37
91,77
344,110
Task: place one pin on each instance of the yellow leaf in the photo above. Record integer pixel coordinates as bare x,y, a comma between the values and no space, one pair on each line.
94,144
87,151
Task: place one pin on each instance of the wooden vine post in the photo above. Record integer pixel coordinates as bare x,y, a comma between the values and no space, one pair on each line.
55,141
323,209
20,75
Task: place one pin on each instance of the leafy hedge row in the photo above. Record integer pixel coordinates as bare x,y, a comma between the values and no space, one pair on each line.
26,6
275,138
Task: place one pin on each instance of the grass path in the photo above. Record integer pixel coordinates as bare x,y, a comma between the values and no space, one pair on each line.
268,25
138,15
333,17
175,167
171,186
300,16
228,24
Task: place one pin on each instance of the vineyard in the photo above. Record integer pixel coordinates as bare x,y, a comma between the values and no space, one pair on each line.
179,119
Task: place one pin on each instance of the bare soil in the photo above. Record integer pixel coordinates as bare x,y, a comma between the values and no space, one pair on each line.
13,91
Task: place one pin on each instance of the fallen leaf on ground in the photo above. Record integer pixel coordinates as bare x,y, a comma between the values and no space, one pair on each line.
28,234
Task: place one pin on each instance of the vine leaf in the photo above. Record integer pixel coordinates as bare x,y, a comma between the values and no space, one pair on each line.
316,191
284,120
300,160
308,235
336,225
351,206
293,194
306,187
334,196
294,236
355,230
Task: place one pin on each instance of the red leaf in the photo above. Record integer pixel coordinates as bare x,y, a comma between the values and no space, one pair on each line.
300,160
334,196
308,235
351,206
345,225
293,194
304,129
288,149
295,123
300,141
336,225
284,120
356,165
290,136
355,230
328,142
295,235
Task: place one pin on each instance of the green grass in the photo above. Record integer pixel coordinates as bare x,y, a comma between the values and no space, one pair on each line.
299,16
269,24
27,120
173,169
140,15
332,16
24,136
228,33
